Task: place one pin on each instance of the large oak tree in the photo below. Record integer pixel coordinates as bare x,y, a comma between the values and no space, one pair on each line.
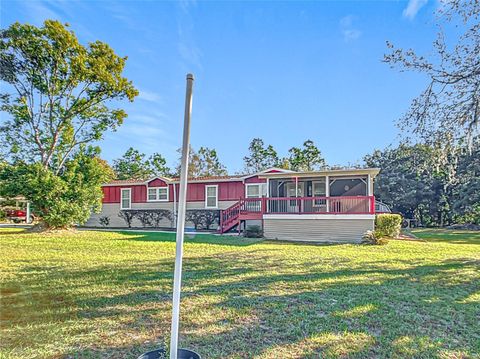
59,93
59,96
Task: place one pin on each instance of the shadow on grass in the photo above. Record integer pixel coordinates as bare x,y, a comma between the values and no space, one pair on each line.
235,241
234,306
448,236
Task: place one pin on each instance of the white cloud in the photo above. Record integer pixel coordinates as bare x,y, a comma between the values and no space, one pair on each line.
413,8
38,12
349,31
149,96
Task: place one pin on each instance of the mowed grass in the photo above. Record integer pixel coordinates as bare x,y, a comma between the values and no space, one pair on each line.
108,295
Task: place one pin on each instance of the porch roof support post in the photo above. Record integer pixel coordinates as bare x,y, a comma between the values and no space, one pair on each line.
296,194
327,192
371,199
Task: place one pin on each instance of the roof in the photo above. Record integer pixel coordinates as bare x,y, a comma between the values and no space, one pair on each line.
269,173
338,172
175,180
211,178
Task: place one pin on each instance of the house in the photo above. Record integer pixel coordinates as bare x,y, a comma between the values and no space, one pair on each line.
329,205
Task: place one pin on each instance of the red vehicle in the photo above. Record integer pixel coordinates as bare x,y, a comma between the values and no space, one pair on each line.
18,215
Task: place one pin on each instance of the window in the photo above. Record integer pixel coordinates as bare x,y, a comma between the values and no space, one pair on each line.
157,194
126,198
319,190
253,191
211,196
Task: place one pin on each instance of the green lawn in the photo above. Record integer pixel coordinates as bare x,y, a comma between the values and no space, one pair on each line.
107,295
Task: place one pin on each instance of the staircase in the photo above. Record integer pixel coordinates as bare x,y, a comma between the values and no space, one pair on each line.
244,209
230,217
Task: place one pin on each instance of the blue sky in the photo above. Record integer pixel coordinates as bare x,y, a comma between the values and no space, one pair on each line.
282,71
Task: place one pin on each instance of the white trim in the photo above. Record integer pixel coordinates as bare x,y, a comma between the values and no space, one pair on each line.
157,194
327,191
369,186
313,193
129,198
319,216
276,169
347,172
216,197
253,184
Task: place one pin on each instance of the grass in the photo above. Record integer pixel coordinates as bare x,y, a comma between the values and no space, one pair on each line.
107,295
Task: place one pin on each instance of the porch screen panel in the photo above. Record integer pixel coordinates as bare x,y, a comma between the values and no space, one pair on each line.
348,187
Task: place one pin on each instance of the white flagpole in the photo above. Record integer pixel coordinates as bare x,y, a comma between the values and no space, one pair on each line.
177,279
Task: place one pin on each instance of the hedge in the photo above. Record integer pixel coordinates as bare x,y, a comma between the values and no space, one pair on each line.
388,225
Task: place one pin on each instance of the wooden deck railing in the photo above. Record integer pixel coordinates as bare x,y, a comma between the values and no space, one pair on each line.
255,208
309,205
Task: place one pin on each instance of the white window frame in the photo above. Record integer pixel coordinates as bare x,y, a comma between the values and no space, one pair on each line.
157,194
258,185
216,196
317,203
129,198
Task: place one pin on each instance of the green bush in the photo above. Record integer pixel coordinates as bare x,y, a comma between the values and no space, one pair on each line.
388,225
104,221
374,238
253,232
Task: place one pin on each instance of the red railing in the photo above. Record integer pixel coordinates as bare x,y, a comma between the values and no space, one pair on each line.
308,205
229,216
296,205
318,205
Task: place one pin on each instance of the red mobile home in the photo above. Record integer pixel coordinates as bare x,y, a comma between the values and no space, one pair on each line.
334,205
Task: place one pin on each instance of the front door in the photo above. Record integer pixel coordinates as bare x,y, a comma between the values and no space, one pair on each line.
294,205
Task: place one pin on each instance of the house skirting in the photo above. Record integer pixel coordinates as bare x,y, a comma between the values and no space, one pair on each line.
342,228
111,210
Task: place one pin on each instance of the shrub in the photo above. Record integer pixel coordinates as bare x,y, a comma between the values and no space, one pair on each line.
144,216
253,231
202,218
158,214
127,216
210,218
104,221
60,200
374,238
388,225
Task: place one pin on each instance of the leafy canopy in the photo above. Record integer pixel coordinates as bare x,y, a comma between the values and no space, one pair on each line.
413,183
260,157
57,91
308,158
205,162
448,109
133,165
61,200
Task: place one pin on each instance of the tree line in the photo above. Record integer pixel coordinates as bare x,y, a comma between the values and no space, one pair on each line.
205,162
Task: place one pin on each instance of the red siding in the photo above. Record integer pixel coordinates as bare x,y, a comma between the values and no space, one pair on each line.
157,183
255,179
231,191
227,191
111,194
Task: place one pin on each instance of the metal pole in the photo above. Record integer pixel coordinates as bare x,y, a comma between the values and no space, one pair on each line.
27,220
177,279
